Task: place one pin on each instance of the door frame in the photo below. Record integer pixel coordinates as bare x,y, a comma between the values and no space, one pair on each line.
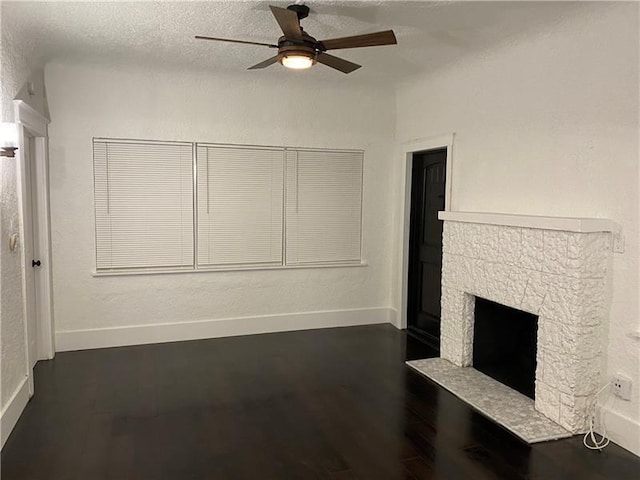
32,123
409,148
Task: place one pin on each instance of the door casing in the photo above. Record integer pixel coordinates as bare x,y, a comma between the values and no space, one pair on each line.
432,143
33,124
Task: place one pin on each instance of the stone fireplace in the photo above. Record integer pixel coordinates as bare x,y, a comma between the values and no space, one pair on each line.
554,268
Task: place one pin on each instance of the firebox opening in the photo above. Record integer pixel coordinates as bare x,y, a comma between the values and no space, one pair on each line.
504,345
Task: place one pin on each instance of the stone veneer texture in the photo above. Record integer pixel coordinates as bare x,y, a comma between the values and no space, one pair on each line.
559,276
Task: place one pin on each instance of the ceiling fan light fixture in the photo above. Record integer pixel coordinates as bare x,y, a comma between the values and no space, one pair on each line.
297,61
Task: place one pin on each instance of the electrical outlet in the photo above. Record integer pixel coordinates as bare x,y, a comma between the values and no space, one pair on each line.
622,386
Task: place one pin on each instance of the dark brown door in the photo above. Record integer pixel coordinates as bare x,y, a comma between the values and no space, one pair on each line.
425,244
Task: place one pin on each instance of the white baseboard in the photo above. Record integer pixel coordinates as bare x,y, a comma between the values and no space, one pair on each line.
227,327
13,409
622,430
394,318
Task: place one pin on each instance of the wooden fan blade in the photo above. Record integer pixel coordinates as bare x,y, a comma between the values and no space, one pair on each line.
266,63
341,64
288,21
270,45
368,40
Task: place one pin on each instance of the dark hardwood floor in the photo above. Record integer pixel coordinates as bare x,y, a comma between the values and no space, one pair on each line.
325,404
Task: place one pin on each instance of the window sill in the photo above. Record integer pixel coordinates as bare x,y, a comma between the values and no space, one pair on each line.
247,268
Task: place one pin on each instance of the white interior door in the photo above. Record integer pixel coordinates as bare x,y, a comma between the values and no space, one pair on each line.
31,252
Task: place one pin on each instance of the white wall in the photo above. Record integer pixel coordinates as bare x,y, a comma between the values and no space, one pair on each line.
12,344
19,65
548,126
112,101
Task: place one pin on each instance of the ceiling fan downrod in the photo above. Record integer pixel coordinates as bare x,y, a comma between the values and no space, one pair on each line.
301,10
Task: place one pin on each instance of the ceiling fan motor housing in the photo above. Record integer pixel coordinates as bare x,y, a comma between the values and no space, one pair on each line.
309,47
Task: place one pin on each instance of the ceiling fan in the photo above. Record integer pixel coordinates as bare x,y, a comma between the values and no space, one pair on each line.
297,49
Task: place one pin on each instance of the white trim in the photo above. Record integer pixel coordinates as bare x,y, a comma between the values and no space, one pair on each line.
408,149
30,118
226,145
239,268
226,327
431,143
621,430
32,123
13,409
394,318
565,224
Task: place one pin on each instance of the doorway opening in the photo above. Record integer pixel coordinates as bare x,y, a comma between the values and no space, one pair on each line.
428,187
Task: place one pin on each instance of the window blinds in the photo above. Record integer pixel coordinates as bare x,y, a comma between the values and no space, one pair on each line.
143,204
255,206
240,205
323,207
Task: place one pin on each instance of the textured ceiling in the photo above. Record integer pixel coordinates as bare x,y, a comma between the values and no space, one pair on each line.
430,34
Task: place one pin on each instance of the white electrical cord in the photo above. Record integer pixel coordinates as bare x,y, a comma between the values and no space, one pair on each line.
590,439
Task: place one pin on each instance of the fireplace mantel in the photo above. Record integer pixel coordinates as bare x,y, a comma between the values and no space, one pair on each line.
565,224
